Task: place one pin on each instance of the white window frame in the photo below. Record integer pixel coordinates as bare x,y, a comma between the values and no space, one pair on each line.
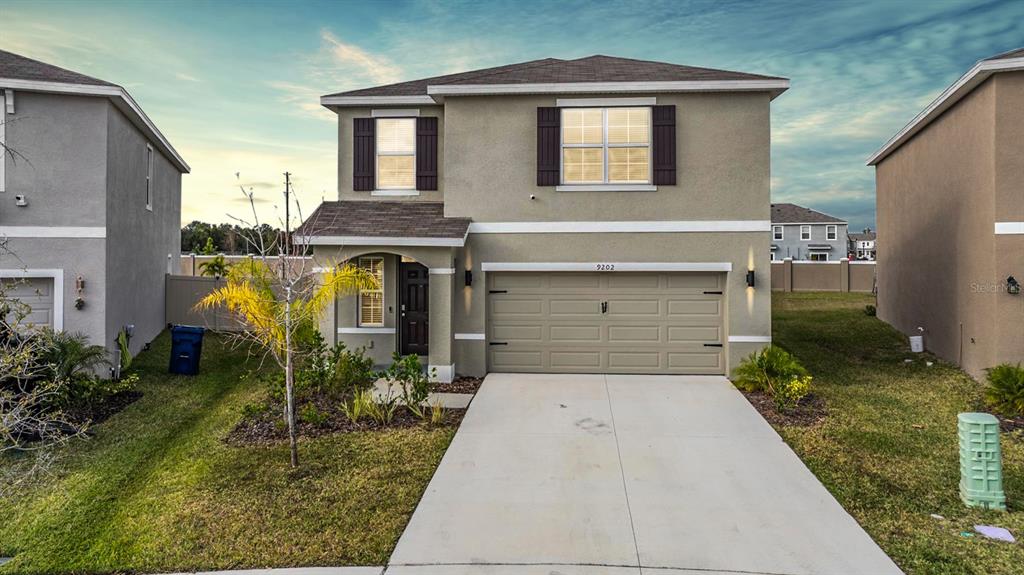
771,256
359,299
778,233
811,255
149,177
377,154
808,230
604,149
831,233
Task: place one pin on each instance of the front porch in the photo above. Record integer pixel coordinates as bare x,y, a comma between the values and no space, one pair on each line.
410,246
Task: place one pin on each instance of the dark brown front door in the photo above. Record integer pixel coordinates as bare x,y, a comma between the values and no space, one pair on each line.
413,296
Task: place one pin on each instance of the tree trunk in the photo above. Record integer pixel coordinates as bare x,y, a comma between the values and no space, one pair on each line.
289,377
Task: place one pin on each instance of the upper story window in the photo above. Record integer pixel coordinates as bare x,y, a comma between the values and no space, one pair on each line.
831,232
606,145
396,153
805,233
149,177
777,232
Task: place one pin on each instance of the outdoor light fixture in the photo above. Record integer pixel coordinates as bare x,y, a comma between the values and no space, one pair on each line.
750,278
469,277
1012,286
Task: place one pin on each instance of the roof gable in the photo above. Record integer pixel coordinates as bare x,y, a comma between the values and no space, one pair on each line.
17,67
794,214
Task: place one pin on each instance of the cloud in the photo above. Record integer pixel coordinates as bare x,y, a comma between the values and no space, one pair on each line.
186,77
304,99
377,68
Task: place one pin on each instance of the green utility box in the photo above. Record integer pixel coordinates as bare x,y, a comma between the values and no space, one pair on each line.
981,463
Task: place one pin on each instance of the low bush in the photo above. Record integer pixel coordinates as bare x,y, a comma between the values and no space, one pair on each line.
412,379
870,310
312,415
1005,391
776,372
358,406
335,371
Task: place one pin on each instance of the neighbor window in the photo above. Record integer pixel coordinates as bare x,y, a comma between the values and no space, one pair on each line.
371,301
831,232
771,256
805,233
149,177
396,153
819,257
776,232
606,145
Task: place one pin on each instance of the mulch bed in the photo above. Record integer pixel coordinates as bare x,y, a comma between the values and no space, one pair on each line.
269,427
103,410
460,385
809,411
1008,424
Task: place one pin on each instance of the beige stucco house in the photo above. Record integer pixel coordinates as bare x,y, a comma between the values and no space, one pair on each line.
594,215
950,189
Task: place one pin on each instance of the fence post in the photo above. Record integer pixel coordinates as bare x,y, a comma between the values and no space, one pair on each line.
787,274
844,274
192,256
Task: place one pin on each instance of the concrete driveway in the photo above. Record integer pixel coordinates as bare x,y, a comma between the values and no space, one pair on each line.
621,475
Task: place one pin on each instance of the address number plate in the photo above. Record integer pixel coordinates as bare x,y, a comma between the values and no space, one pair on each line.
605,267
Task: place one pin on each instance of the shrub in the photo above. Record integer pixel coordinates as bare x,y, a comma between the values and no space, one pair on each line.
437,412
359,406
69,355
415,384
1005,391
776,372
870,310
335,371
382,409
312,415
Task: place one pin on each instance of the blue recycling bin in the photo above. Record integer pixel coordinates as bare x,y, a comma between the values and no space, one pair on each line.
186,348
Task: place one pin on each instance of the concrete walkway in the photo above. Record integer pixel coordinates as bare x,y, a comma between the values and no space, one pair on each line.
623,475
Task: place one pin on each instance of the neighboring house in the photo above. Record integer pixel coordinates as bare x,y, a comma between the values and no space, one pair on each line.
801,233
862,245
949,207
90,202
590,215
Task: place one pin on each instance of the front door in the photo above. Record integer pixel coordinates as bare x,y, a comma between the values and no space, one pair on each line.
413,296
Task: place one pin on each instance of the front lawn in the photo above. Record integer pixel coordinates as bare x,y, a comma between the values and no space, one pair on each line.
888,448
157,489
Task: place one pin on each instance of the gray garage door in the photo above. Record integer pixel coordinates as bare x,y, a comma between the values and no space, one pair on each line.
606,322
36,294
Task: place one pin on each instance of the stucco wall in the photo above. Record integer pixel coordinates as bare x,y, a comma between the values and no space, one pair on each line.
791,246
1009,207
138,240
722,142
936,208
345,156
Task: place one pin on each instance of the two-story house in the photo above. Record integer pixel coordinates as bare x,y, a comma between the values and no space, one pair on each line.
594,215
862,245
801,233
90,203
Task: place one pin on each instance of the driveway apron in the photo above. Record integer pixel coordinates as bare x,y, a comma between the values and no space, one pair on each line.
622,475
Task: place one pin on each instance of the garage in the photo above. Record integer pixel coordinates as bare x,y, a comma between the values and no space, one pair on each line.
618,322
37,295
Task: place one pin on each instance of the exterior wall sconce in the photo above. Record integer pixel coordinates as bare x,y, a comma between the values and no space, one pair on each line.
79,292
469,278
750,278
1012,286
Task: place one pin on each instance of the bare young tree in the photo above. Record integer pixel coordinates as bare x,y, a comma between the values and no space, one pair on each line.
278,296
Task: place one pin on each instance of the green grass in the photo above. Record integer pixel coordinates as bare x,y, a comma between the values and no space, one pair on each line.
888,448
157,490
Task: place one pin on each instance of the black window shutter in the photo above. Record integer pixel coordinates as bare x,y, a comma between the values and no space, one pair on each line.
363,152
426,153
663,122
548,142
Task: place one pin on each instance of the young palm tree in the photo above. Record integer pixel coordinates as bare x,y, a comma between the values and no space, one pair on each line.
217,267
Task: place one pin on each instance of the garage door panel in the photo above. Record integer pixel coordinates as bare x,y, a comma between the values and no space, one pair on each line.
654,323
36,295
575,333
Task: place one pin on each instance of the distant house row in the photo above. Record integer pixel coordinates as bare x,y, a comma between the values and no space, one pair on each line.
801,233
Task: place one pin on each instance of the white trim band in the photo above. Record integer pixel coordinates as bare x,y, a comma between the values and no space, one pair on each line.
1009,228
606,266
395,113
441,271
607,188
70,232
57,275
471,336
376,100
649,226
774,86
604,102
379,241
366,330
750,339
394,192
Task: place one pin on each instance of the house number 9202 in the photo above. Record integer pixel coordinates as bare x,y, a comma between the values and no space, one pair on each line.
605,267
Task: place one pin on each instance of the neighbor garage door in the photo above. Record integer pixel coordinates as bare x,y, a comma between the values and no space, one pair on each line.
36,295
606,322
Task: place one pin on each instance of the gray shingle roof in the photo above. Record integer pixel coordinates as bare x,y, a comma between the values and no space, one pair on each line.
794,214
1018,53
17,67
862,237
385,219
553,70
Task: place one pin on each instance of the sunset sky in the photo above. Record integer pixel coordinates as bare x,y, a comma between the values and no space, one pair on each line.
235,86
